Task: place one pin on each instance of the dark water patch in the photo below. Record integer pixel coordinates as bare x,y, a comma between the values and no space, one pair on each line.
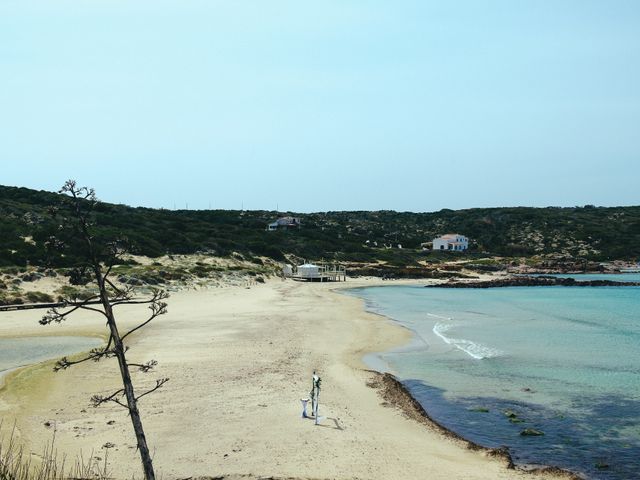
596,442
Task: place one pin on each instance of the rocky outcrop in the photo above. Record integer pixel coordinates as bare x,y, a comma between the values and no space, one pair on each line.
527,281
389,272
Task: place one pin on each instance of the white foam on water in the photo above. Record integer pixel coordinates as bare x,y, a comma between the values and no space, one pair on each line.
473,349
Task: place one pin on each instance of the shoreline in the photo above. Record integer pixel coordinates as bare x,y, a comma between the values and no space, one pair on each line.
237,359
397,394
400,396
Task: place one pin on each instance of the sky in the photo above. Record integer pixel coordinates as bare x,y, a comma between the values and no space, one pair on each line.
318,106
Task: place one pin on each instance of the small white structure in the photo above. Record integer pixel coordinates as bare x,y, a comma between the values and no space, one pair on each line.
451,242
287,270
308,270
319,273
284,223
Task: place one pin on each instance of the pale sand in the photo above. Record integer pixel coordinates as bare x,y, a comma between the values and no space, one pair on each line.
239,360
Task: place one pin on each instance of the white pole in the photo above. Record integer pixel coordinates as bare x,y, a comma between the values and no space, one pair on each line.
316,397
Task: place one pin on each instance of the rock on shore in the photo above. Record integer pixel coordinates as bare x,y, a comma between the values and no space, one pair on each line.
528,281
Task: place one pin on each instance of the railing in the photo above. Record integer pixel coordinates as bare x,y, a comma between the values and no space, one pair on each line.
329,273
30,306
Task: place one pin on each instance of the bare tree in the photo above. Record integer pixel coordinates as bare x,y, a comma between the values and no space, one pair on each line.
100,259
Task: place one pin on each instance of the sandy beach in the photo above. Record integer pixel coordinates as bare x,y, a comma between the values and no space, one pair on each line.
239,359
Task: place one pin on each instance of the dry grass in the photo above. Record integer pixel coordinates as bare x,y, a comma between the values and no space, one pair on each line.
16,464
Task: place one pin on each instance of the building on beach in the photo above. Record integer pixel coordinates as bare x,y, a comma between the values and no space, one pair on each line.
316,273
287,271
284,223
451,242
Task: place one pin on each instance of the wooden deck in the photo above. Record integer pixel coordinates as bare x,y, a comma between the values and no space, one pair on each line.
336,274
30,306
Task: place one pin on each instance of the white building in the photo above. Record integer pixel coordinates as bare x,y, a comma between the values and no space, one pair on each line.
319,273
284,223
308,270
287,270
451,242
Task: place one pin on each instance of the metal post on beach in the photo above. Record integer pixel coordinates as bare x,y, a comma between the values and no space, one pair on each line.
316,397
315,413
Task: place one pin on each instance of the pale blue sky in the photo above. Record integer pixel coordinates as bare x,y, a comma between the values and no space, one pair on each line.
332,105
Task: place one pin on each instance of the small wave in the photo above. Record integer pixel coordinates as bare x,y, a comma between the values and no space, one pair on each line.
475,313
475,350
438,316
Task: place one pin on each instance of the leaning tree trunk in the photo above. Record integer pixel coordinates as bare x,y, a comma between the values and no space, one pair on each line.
132,403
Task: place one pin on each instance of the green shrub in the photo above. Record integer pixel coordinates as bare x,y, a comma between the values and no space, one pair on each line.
38,297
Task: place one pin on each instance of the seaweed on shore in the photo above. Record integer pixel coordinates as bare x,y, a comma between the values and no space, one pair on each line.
396,394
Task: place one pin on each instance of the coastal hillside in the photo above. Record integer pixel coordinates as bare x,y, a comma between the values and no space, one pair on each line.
587,233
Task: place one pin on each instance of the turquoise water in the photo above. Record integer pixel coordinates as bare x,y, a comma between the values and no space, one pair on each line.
563,360
19,352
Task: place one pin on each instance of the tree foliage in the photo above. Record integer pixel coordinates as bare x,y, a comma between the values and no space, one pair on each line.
595,233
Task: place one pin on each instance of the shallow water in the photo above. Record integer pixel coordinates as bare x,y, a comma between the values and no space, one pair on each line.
19,352
489,363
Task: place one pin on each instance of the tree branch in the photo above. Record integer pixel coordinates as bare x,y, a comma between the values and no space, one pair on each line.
98,400
106,274
122,405
144,367
159,383
157,296
55,315
96,355
120,293
130,301
97,310
157,308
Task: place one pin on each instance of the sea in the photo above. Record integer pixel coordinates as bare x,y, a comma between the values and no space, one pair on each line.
562,363
24,351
